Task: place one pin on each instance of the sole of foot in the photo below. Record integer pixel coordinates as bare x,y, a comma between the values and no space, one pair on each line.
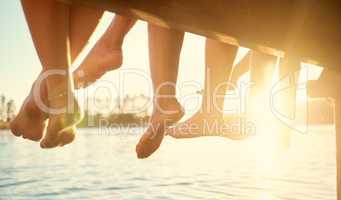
205,125
99,61
62,138
27,127
61,128
30,122
152,138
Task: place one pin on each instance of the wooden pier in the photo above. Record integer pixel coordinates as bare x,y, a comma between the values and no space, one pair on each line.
295,30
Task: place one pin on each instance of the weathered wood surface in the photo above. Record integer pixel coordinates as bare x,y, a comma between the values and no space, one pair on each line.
309,29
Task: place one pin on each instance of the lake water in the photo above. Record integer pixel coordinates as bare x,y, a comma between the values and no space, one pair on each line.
104,166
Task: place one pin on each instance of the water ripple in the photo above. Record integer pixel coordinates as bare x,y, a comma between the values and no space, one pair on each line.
106,168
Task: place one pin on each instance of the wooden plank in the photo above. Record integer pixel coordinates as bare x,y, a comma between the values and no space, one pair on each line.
310,29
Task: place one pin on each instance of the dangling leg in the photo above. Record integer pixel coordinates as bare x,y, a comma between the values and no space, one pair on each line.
30,121
43,18
219,61
106,55
240,69
165,47
262,71
261,75
289,67
83,21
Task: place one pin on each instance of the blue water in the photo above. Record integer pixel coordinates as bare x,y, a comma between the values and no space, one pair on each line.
104,166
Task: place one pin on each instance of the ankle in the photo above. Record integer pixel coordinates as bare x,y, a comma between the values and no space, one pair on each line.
36,100
109,44
60,84
170,104
170,100
210,111
31,108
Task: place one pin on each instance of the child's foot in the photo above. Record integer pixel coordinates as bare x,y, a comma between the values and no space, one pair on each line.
30,122
206,124
160,120
61,127
101,59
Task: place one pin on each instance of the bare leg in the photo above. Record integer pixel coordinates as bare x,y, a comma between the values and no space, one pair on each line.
288,67
219,61
30,122
259,111
49,25
262,71
241,68
83,22
106,55
165,47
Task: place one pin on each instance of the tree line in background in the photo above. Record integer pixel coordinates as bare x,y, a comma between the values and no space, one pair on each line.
134,110
113,120
7,111
129,110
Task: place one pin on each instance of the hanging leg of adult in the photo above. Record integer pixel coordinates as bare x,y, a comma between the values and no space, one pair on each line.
79,35
106,55
30,122
261,71
288,71
258,102
83,22
54,52
210,119
49,25
165,47
49,22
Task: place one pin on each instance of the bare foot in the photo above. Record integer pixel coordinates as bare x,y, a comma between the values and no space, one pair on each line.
101,59
60,138
159,122
30,122
205,124
61,127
